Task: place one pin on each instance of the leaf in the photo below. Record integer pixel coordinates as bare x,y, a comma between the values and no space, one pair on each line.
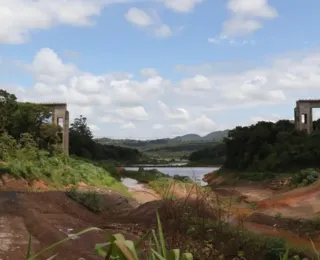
29,246
124,249
174,254
142,239
62,241
157,254
161,237
156,241
99,248
187,256
130,246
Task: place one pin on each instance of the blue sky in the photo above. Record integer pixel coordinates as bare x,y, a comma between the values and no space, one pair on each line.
160,68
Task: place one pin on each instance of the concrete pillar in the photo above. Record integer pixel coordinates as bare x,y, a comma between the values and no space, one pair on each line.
303,110
61,114
66,133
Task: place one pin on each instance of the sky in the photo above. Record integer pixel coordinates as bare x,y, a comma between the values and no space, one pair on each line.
147,69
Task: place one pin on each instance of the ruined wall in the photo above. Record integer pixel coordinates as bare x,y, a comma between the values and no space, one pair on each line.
303,114
60,116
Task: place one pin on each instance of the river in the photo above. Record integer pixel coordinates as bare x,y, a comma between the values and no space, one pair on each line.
196,173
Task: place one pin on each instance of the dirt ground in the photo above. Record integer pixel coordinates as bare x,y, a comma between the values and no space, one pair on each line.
52,216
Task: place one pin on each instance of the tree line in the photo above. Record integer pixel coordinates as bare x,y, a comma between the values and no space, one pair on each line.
18,118
266,146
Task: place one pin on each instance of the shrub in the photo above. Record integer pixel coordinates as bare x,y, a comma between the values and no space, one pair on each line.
305,177
91,200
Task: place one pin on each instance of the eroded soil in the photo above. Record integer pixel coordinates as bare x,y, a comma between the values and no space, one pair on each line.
51,216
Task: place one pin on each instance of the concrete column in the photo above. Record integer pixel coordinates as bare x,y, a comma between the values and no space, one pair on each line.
66,132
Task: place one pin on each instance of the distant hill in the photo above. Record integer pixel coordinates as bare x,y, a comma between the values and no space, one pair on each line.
214,136
180,146
187,138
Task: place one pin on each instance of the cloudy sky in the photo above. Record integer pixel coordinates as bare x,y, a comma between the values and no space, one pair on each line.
160,68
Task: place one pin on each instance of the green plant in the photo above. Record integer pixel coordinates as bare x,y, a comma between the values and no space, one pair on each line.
305,177
91,200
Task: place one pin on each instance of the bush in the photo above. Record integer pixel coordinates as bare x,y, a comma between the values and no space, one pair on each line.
305,177
91,200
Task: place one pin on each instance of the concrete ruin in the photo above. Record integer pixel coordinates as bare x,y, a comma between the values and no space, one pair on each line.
303,114
60,116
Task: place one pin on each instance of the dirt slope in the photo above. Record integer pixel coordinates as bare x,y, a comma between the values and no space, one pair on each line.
50,217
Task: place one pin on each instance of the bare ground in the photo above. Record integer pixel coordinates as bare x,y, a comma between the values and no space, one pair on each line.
51,216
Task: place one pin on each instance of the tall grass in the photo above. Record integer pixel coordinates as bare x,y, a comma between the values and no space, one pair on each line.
59,170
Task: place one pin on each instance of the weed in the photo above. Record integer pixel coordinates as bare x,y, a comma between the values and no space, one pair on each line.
91,200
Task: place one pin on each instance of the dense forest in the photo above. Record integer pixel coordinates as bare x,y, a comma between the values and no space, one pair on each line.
28,119
265,146
213,155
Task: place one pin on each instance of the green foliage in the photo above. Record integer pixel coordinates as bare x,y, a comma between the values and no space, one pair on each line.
8,105
261,151
91,200
214,155
83,145
305,177
19,118
26,160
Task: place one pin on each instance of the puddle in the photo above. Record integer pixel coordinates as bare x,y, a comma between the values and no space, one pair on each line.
133,185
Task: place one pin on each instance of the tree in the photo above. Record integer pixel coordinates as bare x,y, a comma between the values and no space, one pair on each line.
8,105
80,127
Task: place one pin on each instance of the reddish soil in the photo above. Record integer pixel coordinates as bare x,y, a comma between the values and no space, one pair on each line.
298,203
52,216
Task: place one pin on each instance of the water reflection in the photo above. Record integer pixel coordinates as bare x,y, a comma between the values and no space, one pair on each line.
196,173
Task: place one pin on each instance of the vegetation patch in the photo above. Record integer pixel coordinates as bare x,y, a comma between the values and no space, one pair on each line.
305,177
91,200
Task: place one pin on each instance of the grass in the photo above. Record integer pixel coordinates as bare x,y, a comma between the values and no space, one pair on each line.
91,200
56,170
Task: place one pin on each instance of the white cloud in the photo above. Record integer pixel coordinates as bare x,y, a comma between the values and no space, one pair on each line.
133,113
230,41
113,100
163,31
94,128
157,126
268,118
150,22
138,17
173,114
183,6
19,17
201,125
129,125
149,72
246,16
196,83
